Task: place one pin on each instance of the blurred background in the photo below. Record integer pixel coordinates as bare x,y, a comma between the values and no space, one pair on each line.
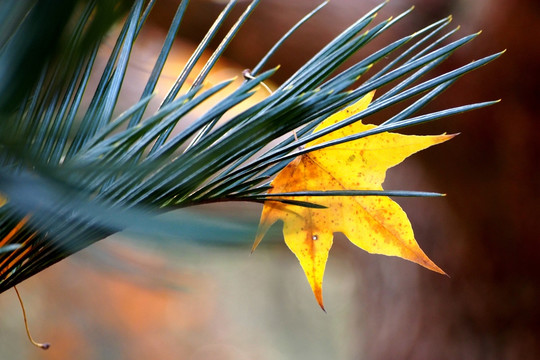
132,298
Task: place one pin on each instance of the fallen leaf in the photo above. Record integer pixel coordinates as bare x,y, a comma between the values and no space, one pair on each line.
376,224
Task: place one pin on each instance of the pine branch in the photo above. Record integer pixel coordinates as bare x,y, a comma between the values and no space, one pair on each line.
67,182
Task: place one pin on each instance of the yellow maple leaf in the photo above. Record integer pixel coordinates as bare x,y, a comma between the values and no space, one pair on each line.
374,223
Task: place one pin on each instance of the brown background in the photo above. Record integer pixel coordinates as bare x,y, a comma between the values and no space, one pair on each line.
127,299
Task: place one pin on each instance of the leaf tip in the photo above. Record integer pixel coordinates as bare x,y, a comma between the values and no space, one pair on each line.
318,295
263,228
257,241
368,67
441,271
438,139
430,265
422,259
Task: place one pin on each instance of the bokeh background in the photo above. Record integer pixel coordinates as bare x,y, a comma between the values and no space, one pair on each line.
132,298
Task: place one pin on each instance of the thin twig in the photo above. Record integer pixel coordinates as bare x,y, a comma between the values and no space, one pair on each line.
43,346
247,75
